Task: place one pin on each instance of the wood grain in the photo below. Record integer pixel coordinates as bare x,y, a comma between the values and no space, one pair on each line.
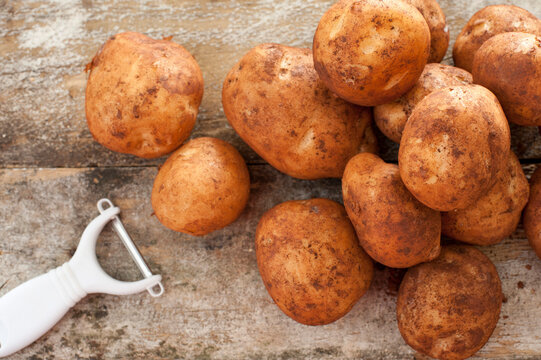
215,305
44,47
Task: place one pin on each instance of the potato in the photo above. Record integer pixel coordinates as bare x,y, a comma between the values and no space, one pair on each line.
486,23
449,307
532,213
202,187
392,117
370,52
439,31
393,227
496,214
310,260
275,101
142,95
509,65
454,144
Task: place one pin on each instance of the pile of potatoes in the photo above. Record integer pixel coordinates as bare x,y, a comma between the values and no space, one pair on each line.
309,113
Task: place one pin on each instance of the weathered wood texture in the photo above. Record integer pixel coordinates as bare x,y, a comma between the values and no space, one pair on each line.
215,305
45,45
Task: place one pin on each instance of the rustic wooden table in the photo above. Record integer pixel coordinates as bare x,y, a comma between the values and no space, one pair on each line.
215,305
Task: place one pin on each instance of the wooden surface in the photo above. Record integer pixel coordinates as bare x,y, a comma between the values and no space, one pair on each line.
215,305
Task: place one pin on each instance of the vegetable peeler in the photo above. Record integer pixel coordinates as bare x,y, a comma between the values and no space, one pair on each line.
31,309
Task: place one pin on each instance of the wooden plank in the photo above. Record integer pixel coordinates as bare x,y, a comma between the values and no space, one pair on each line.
44,47
215,305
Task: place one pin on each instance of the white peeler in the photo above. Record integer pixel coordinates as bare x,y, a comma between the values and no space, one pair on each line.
31,309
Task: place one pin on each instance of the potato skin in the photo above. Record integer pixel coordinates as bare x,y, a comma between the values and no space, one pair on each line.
486,23
274,100
310,260
392,117
142,95
454,144
202,187
393,227
439,31
449,307
509,65
532,213
365,69
496,214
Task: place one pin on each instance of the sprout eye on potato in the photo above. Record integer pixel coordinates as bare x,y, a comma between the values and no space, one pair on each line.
509,65
486,23
310,260
142,95
202,187
391,118
275,101
454,144
449,307
532,213
494,215
393,227
370,52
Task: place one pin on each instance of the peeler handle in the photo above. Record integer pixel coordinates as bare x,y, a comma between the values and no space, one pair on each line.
34,307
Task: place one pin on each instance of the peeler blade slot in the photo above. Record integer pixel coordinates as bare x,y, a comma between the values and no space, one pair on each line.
103,202
157,290
134,252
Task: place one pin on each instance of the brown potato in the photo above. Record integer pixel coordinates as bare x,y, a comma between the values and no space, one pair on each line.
496,214
392,117
275,101
393,227
202,187
454,144
486,23
532,213
142,95
509,65
310,260
449,307
370,52
439,31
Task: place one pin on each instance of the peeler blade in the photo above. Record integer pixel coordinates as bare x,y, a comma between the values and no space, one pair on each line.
158,289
